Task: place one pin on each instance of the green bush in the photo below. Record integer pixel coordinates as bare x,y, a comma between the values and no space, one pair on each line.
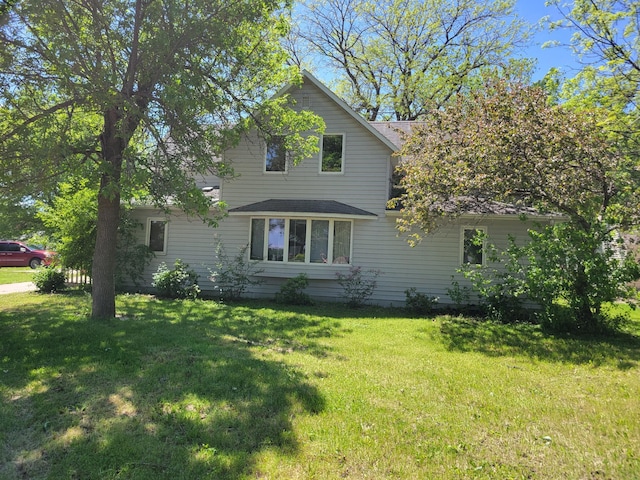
357,285
233,276
291,292
180,282
49,280
419,303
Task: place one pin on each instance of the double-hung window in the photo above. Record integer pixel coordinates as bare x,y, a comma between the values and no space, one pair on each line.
301,240
275,155
473,245
332,154
157,229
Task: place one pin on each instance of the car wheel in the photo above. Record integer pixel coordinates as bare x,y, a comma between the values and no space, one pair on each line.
35,262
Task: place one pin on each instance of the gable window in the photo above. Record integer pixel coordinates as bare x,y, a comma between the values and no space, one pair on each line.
473,245
157,235
332,156
276,155
301,240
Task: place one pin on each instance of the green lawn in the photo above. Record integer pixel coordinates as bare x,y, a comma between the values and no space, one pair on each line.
15,275
197,390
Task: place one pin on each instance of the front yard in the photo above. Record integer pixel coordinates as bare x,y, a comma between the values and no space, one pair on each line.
198,390
15,275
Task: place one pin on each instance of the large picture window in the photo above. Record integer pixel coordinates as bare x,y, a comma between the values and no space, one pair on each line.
276,155
332,156
157,235
473,240
299,240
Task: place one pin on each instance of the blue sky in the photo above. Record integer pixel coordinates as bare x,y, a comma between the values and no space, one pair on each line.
561,57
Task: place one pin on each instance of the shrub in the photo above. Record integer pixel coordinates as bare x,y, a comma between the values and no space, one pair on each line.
291,291
234,275
180,282
357,287
419,303
49,280
460,295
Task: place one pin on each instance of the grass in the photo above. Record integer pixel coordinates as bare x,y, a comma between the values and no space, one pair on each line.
198,390
15,275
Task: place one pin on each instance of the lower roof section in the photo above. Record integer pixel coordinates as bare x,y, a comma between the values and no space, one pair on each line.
289,207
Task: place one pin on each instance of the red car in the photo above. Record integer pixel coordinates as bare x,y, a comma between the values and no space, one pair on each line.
17,254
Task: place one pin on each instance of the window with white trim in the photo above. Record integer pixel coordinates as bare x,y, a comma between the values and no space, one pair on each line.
301,240
157,229
332,154
473,245
275,155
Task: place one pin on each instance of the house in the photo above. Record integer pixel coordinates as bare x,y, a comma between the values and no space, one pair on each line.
324,215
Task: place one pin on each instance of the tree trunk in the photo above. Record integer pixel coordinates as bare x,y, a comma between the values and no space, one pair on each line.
104,256
582,302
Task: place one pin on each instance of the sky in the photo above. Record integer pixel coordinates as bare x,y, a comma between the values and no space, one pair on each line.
561,57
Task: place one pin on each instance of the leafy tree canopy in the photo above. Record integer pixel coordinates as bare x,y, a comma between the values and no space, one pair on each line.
398,59
140,94
507,143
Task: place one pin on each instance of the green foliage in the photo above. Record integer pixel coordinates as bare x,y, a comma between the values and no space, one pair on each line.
508,146
567,273
233,276
502,290
606,36
140,97
420,303
71,218
179,282
131,257
357,285
459,294
49,279
292,291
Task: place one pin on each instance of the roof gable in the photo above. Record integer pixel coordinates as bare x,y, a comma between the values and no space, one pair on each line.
346,108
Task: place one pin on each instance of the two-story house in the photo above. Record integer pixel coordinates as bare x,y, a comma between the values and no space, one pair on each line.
324,215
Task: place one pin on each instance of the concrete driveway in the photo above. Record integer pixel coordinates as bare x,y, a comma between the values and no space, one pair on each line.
17,287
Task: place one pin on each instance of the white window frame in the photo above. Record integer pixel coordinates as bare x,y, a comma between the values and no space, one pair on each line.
484,230
264,159
166,234
344,149
307,259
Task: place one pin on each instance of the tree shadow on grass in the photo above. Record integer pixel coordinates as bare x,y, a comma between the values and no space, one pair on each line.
175,390
621,351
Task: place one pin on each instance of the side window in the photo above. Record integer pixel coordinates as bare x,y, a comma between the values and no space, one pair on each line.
276,155
332,155
157,235
473,242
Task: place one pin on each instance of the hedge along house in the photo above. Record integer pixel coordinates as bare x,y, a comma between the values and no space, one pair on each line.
324,215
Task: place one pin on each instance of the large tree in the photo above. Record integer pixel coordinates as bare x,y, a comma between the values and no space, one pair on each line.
509,144
141,93
398,59
606,40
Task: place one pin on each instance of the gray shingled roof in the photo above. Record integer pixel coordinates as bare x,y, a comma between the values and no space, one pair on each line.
327,207
395,131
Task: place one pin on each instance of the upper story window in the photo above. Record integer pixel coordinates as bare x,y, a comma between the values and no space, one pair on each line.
332,155
157,235
276,155
473,245
301,240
